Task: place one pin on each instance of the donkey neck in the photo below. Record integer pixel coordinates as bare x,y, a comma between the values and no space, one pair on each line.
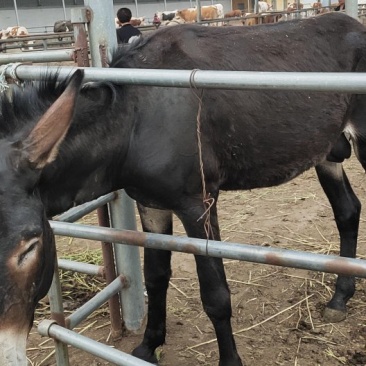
91,157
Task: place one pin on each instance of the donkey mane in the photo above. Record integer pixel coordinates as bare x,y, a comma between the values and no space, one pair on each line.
22,105
174,52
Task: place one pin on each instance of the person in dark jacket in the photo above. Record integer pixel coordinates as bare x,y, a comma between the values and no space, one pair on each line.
341,6
127,31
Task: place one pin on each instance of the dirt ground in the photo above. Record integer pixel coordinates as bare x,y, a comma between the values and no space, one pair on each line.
277,312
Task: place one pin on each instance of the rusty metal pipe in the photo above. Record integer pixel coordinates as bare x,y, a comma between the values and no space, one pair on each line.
110,275
245,252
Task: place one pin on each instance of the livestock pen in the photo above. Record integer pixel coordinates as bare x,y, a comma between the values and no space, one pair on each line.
302,197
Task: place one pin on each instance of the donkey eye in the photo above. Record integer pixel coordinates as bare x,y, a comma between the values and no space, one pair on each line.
30,247
32,191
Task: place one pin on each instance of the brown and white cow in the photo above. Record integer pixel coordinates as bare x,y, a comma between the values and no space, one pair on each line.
136,22
233,13
263,18
293,11
291,7
16,32
167,15
189,15
13,32
263,6
250,19
175,21
318,8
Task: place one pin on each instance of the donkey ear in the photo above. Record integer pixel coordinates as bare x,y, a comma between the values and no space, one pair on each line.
43,142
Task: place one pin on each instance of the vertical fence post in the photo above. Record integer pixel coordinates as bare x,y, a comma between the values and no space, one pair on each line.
101,31
16,11
352,8
110,275
122,212
199,11
102,40
57,313
80,17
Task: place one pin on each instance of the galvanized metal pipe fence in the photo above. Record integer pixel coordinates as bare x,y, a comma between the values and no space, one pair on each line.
50,328
209,79
64,330
212,248
288,258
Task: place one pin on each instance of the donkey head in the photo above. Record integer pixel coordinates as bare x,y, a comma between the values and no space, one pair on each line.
27,248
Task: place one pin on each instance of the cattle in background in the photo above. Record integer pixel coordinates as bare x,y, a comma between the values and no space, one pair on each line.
263,6
220,10
136,22
271,18
233,14
251,20
264,18
318,8
175,21
293,11
207,12
16,32
294,6
13,32
167,15
63,26
189,15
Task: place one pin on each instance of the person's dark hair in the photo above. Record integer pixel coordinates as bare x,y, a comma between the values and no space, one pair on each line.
124,15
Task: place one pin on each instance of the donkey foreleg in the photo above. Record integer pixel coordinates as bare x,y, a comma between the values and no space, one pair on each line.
346,208
215,296
214,290
157,272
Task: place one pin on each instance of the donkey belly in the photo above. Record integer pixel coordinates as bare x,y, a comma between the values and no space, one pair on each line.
266,165
265,176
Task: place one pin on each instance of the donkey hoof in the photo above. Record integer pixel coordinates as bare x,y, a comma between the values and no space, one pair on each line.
333,315
144,353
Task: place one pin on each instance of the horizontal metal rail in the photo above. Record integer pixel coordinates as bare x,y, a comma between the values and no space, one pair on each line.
293,81
76,213
36,37
81,267
49,328
93,304
41,46
244,252
37,56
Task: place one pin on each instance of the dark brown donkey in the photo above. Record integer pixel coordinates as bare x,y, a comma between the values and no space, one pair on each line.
144,139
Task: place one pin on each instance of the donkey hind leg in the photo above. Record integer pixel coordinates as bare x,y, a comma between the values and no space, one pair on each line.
157,274
214,289
356,128
346,208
